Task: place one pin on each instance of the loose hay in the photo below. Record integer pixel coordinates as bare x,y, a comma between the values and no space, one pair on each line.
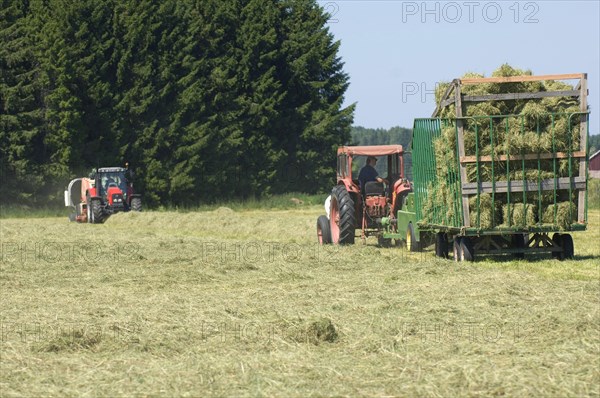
539,126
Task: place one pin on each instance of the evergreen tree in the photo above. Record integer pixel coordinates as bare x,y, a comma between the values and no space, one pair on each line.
206,99
22,127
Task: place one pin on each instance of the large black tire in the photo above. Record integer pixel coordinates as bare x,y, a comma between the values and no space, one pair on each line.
441,245
518,242
411,239
466,248
323,230
342,219
568,250
136,204
557,240
97,212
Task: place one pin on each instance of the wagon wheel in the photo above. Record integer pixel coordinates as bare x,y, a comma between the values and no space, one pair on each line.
457,249
518,242
466,248
411,239
441,245
557,240
568,249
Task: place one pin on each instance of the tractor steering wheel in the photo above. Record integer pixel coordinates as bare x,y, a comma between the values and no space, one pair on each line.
113,184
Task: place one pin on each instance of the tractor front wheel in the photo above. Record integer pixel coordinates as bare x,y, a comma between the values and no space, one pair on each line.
341,216
97,213
323,230
136,204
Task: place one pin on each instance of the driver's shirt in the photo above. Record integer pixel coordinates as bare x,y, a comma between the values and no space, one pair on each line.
367,174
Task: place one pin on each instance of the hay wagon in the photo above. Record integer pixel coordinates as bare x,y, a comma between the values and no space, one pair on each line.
489,183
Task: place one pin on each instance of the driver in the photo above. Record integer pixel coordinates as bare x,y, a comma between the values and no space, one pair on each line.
110,181
368,173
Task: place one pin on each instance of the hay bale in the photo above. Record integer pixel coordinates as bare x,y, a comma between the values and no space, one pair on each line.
535,110
566,214
532,130
521,215
485,213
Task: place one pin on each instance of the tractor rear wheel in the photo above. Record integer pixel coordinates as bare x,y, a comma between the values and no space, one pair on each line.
136,204
341,216
323,230
97,213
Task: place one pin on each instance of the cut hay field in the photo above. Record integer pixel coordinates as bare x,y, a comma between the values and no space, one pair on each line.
244,303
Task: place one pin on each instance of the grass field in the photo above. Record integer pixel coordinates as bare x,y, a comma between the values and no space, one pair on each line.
244,303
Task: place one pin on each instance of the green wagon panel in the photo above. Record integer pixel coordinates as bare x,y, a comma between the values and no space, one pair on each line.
521,173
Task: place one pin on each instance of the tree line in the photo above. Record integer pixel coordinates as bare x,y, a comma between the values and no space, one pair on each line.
392,136
205,99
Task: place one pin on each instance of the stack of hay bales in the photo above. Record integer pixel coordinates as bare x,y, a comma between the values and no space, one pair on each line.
539,126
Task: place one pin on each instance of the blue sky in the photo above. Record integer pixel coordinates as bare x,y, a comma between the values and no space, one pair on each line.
396,51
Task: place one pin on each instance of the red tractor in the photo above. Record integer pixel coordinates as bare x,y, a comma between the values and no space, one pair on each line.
372,209
107,191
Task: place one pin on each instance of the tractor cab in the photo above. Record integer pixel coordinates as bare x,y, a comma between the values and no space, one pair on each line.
389,166
111,185
371,208
107,191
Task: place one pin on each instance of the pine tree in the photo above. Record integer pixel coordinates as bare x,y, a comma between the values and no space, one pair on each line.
22,152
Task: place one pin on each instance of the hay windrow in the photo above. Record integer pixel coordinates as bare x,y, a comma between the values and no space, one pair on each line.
536,126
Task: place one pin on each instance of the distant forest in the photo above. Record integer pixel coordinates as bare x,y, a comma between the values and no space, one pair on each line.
206,99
